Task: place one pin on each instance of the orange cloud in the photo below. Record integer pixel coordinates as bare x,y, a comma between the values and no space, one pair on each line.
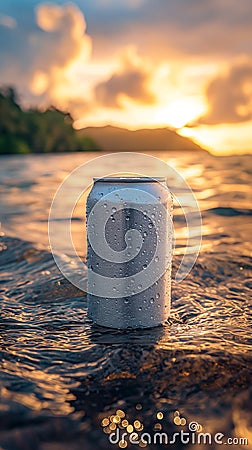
66,26
63,42
38,63
52,65
229,96
131,81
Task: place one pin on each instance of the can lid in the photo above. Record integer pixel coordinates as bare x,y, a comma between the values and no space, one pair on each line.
130,179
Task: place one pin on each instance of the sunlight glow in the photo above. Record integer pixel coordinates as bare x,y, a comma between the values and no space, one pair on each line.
180,111
174,115
225,139
39,83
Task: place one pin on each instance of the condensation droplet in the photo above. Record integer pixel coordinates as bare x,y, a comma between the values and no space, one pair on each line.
152,300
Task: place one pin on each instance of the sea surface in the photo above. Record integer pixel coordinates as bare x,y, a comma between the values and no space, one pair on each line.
61,376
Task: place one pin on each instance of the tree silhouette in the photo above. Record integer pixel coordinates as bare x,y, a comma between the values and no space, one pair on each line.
34,131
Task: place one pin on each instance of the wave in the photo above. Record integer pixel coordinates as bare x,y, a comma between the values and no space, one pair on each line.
230,212
60,373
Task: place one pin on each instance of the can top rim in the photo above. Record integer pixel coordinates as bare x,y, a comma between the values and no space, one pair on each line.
130,179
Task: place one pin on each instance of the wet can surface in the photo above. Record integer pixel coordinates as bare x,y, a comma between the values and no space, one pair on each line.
129,237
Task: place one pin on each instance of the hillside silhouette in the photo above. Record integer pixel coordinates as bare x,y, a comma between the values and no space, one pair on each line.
49,131
110,138
34,131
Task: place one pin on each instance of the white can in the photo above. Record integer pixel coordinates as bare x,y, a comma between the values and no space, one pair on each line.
130,237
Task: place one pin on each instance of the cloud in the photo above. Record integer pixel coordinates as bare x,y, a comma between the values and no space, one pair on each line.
229,96
7,21
131,81
163,28
126,5
35,58
175,27
45,53
48,61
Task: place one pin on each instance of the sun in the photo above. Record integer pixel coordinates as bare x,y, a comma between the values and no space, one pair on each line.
180,111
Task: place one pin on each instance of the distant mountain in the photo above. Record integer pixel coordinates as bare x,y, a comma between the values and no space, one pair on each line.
109,138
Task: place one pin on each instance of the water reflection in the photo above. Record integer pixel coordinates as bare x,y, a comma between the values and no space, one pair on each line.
60,374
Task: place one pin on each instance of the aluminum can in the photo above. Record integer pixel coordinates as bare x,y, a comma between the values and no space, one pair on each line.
129,241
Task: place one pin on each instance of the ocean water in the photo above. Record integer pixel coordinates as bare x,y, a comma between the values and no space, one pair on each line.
60,375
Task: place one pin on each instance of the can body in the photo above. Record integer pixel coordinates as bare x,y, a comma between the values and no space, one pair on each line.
129,237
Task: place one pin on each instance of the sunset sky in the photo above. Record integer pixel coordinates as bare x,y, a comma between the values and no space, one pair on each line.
136,63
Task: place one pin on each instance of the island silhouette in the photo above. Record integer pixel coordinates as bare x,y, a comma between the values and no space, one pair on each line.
49,131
